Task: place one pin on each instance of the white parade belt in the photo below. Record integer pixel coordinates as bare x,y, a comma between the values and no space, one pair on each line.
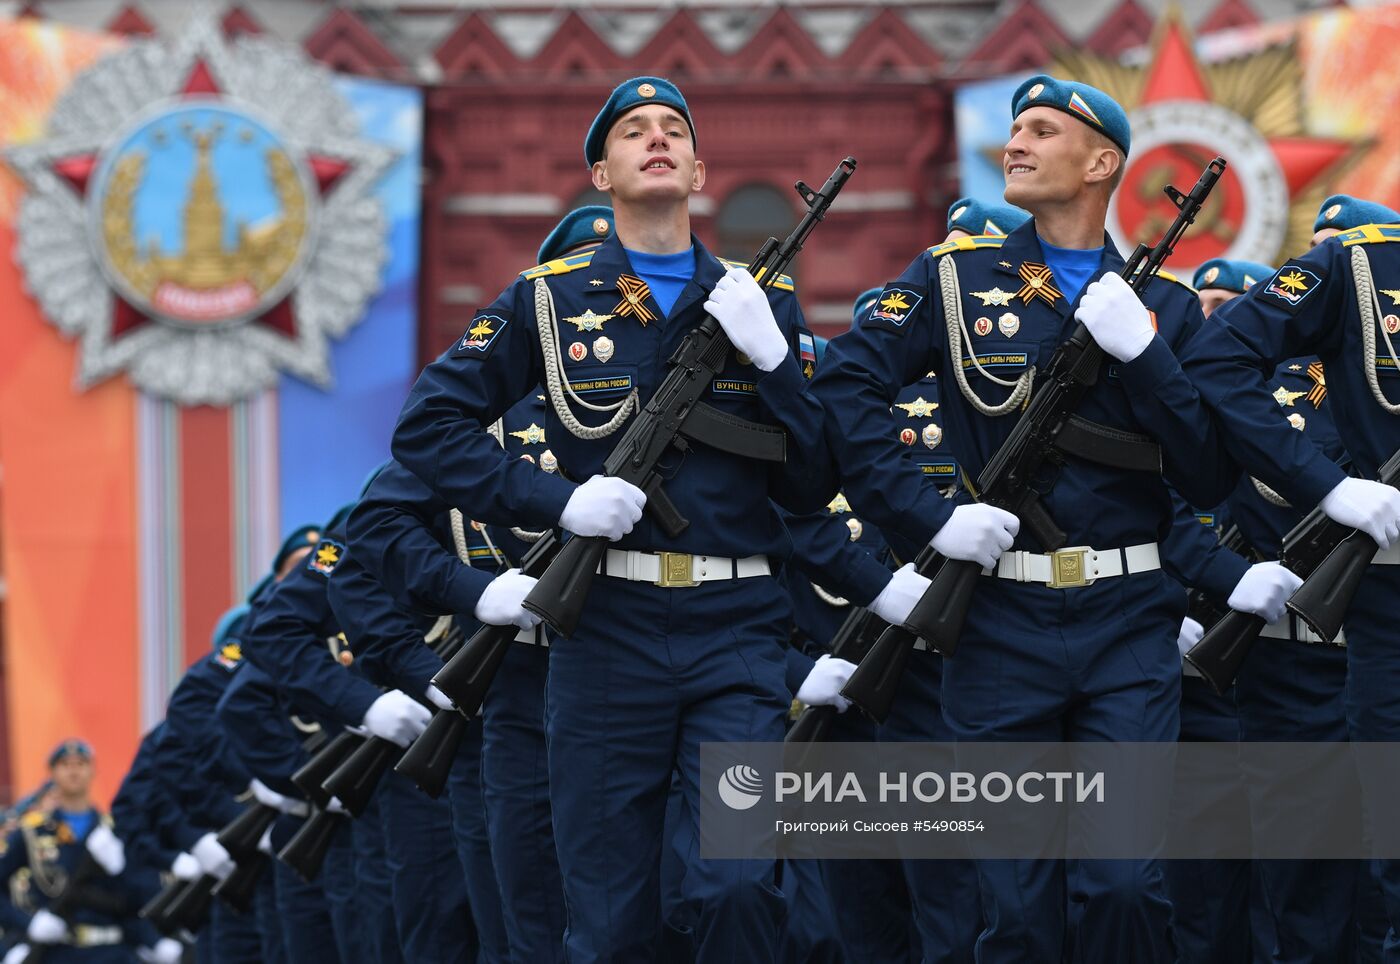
676,569
1076,565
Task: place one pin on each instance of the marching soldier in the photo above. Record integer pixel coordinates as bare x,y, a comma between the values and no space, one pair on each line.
1090,658
680,643
64,888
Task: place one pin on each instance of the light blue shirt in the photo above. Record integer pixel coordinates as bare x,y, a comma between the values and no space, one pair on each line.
665,274
1073,267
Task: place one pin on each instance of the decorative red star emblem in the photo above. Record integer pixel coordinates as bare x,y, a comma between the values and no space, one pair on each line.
1184,113
77,170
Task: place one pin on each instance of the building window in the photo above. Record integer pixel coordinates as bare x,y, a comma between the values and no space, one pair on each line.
750,216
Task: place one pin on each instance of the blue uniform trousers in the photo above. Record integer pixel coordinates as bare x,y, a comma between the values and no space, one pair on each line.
274,948
869,899
1210,898
811,934
515,785
474,849
306,919
943,894
1291,691
1097,663
649,675
373,901
431,912
233,936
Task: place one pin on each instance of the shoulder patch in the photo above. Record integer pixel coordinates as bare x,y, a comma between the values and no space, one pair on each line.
1370,234
806,353
1292,285
325,557
481,335
894,305
973,243
228,657
559,266
784,282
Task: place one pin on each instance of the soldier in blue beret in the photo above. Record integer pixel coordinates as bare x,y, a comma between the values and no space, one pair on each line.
986,314
1329,304
968,217
65,883
1220,280
597,329
1292,685
1342,212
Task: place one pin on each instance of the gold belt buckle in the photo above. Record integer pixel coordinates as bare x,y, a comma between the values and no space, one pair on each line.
677,570
1067,569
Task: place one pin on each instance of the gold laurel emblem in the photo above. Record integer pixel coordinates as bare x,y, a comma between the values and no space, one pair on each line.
996,298
918,408
534,435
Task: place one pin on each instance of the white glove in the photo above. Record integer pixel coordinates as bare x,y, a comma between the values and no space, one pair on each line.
823,684
742,310
333,805
1189,635
185,867
213,858
905,588
603,506
1263,589
397,717
1115,317
265,842
437,697
167,950
17,954
977,533
106,848
267,796
500,605
46,927
1372,507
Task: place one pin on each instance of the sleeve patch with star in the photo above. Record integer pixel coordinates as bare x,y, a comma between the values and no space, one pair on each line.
894,306
325,557
482,334
1292,285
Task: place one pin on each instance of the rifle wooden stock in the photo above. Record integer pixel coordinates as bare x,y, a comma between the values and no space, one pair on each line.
237,889
353,783
240,837
314,772
191,908
1325,596
428,759
1222,650
875,682
306,851
674,414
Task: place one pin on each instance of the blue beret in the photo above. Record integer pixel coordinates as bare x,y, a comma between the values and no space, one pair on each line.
70,748
229,626
1230,275
301,537
1346,212
1088,104
586,225
974,217
820,348
863,302
629,94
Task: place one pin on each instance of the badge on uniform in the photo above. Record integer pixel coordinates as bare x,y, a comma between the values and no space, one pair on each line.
1008,324
228,657
918,408
908,436
1292,284
1297,421
856,528
325,557
533,435
590,320
1285,398
1319,388
983,325
932,435
894,306
482,333
838,504
1391,323
996,298
1394,294
603,349
807,352
578,351
1037,281
634,293
548,462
